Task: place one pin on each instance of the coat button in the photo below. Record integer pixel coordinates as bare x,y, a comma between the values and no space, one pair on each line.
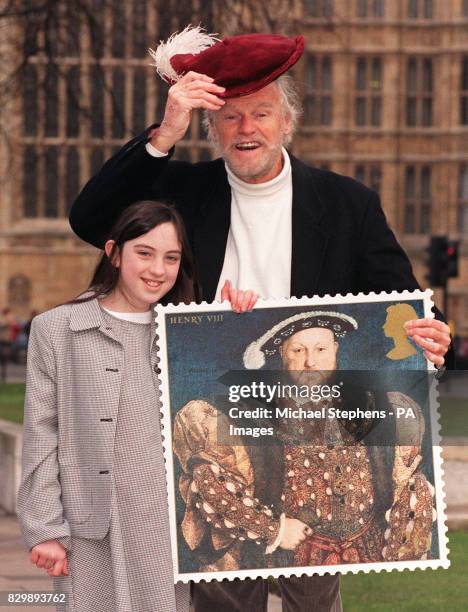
157,369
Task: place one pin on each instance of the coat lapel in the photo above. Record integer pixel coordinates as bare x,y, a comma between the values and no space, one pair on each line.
309,232
211,232
88,315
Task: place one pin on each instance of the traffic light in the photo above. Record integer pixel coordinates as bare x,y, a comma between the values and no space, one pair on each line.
452,258
443,260
438,261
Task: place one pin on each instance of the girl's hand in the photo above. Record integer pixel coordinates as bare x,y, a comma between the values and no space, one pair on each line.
241,301
52,556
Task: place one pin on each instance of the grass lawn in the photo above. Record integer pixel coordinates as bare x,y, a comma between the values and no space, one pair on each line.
11,402
454,418
429,590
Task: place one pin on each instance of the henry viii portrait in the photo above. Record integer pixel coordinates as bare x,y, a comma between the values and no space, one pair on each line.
321,496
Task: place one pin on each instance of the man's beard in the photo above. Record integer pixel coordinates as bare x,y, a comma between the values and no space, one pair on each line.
243,171
261,167
310,377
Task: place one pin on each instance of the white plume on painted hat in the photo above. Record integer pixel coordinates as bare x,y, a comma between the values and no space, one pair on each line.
192,39
254,356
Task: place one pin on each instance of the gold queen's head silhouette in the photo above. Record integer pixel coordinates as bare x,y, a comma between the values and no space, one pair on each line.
397,315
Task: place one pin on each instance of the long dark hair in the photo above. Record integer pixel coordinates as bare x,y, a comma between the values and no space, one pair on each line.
136,220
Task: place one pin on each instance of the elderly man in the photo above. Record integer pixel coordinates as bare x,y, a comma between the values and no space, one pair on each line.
257,217
323,493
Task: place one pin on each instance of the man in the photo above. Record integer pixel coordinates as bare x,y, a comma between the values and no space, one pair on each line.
337,496
256,217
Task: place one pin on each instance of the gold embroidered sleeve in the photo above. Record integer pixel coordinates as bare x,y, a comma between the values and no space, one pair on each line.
228,504
409,522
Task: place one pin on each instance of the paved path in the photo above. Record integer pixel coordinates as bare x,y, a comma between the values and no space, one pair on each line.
16,571
18,574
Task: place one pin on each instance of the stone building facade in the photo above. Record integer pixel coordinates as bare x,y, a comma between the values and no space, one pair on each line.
385,91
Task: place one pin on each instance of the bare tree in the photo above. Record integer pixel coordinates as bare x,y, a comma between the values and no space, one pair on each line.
275,16
48,30
246,16
42,33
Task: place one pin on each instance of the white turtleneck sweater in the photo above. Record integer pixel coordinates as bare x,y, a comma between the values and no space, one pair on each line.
259,244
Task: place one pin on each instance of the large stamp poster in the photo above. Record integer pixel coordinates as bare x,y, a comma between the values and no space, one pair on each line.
301,437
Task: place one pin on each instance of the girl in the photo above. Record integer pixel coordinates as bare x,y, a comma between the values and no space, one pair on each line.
92,501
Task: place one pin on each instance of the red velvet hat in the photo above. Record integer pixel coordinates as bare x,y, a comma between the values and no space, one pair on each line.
242,64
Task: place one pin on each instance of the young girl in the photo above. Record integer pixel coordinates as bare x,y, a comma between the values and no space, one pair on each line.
92,501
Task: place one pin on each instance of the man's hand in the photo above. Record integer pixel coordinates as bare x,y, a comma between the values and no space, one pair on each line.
295,531
240,300
52,556
432,335
193,90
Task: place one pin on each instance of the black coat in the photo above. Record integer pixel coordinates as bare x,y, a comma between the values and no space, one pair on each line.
340,238
341,242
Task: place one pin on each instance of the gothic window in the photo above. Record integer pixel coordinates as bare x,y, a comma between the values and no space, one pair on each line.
73,101
139,33
19,291
370,8
139,100
51,100
30,192
464,91
86,87
419,91
368,99
119,22
97,101
318,101
51,203
418,199
118,103
72,176
30,108
463,199
420,9
318,8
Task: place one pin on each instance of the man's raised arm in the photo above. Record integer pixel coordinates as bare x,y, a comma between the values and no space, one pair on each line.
132,173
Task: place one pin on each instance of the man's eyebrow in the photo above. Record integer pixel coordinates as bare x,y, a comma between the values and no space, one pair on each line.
265,104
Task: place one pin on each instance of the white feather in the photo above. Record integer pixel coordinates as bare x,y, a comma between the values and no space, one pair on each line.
192,39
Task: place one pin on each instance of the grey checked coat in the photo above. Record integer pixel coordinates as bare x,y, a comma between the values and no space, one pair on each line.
72,395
